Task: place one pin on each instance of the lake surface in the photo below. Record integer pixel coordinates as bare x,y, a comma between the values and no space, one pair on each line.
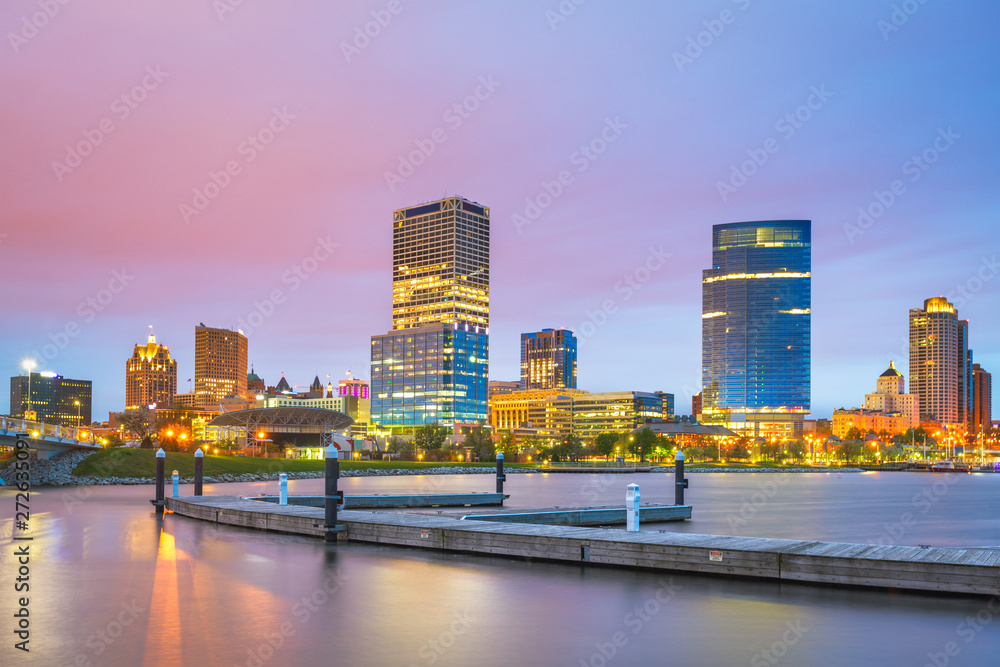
113,585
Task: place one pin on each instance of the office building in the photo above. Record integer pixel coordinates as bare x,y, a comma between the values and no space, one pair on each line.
548,359
150,376
434,374
358,403
53,398
555,413
441,264
220,365
431,368
890,397
498,387
756,328
255,384
940,363
883,424
982,401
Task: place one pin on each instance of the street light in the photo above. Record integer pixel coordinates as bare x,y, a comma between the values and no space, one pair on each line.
79,419
28,365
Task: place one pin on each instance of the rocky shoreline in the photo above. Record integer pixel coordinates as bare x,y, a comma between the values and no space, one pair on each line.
58,471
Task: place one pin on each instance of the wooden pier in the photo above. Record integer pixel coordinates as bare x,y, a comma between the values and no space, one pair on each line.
585,516
974,571
390,501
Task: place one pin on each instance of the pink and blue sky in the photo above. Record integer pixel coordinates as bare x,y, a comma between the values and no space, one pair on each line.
115,112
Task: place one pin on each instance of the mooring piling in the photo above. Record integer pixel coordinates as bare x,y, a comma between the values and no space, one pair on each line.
159,501
632,508
199,464
679,482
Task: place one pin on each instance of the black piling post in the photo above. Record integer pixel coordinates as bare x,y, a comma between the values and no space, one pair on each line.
501,478
332,494
679,482
199,464
160,480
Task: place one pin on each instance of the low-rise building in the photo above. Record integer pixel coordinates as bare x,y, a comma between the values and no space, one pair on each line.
555,413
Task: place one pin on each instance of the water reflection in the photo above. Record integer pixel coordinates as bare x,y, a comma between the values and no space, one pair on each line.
222,596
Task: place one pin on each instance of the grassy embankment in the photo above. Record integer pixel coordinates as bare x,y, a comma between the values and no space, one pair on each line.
123,462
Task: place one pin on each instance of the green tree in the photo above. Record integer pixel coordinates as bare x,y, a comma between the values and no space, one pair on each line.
854,433
894,453
137,421
571,446
507,444
430,436
642,441
797,450
399,446
112,440
739,451
850,451
606,443
914,436
481,443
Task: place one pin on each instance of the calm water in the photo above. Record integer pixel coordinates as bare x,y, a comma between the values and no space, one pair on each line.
112,585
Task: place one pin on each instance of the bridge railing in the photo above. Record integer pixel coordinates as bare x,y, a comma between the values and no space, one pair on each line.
79,434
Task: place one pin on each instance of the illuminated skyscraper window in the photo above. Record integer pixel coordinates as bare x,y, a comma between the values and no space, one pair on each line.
756,326
432,367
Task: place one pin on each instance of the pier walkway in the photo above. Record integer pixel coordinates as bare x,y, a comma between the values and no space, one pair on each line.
952,570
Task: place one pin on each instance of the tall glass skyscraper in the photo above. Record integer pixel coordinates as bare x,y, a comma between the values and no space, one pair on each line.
941,363
548,359
432,368
756,327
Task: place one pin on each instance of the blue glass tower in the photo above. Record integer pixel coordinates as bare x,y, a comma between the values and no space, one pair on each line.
756,327
432,368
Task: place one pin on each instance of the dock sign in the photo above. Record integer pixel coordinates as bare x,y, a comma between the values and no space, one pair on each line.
715,555
424,534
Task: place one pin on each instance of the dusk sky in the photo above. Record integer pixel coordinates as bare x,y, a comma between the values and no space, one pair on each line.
118,115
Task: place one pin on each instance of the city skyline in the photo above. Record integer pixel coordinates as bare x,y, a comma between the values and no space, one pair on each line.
597,165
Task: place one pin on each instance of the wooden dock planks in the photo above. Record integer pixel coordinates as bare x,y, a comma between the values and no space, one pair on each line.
954,570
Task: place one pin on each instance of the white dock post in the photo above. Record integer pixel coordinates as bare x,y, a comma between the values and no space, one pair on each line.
632,508
283,488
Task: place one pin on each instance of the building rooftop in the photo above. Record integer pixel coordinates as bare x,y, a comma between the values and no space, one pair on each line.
892,372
